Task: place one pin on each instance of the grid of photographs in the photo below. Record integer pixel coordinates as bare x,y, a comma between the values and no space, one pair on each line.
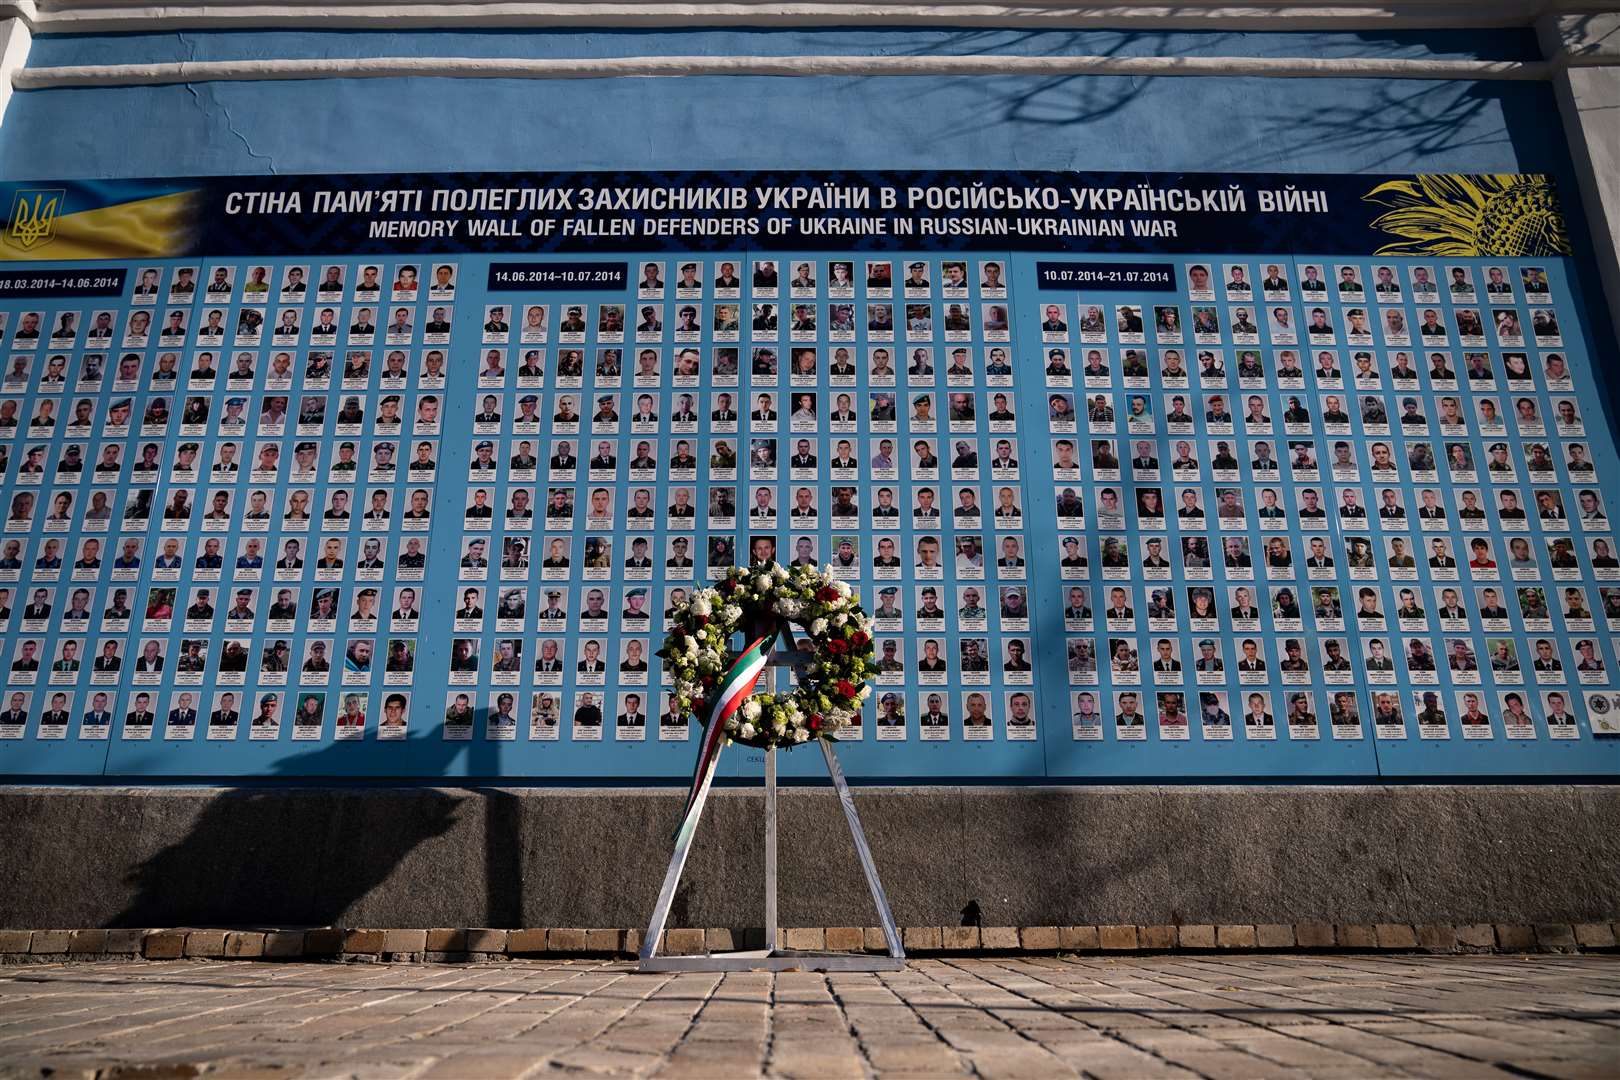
1288,500
1328,498
853,413
219,502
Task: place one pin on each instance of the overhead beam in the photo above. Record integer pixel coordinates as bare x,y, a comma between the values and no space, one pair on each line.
99,16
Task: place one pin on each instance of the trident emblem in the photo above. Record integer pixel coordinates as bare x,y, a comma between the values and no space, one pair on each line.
33,217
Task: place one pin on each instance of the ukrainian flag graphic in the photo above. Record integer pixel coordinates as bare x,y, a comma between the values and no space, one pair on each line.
112,219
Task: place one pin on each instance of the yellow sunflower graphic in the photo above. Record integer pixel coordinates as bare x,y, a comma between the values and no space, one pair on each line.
1454,214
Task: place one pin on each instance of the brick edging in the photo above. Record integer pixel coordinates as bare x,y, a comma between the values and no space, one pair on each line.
481,944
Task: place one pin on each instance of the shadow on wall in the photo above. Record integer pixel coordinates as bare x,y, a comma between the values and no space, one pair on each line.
290,858
1389,121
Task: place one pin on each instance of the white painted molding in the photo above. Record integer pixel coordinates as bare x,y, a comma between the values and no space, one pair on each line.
461,67
93,16
15,41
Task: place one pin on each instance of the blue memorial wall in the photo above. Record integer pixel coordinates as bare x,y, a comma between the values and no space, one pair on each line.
383,476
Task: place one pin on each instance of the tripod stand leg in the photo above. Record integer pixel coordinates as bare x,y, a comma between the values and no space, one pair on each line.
891,936
677,864
771,934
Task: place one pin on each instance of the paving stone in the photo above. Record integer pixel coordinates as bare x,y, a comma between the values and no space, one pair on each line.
1594,935
87,942
875,941
1394,936
205,944
283,943
244,945
1117,937
48,942
485,940
405,941
1515,936
1559,937
999,937
1476,935
1235,936
603,941
122,942
1079,938
323,941
921,938
959,938
846,938
808,938
15,941
364,942
1156,937
1313,935
683,942
446,939
1274,935
1355,936
1196,936
558,940
164,944
1440,937
1038,938
720,939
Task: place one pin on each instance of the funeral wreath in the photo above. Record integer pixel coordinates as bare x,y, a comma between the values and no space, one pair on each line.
753,602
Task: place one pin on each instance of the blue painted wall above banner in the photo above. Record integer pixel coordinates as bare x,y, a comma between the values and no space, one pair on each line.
1143,476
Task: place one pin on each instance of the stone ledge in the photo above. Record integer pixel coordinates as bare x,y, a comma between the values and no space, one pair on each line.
483,944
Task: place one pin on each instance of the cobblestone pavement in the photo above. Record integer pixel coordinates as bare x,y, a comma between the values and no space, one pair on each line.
1214,1016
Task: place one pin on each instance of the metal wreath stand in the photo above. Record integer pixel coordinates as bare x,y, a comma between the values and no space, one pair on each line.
773,957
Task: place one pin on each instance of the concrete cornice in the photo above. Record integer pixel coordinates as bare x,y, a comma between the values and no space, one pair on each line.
93,16
461,67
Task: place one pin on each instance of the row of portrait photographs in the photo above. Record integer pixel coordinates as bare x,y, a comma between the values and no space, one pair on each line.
1349,282
221,508
1256,411
805,366
227,461
608,323
1234,280
1402,370
247,558
524,324
271,414
361,326
890,557
1472,715
1272,324
853,557
809,411
235,370
494,715
1456,418
692,279
810,366
1298,661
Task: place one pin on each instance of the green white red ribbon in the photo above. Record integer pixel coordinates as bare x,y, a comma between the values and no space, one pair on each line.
730,695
